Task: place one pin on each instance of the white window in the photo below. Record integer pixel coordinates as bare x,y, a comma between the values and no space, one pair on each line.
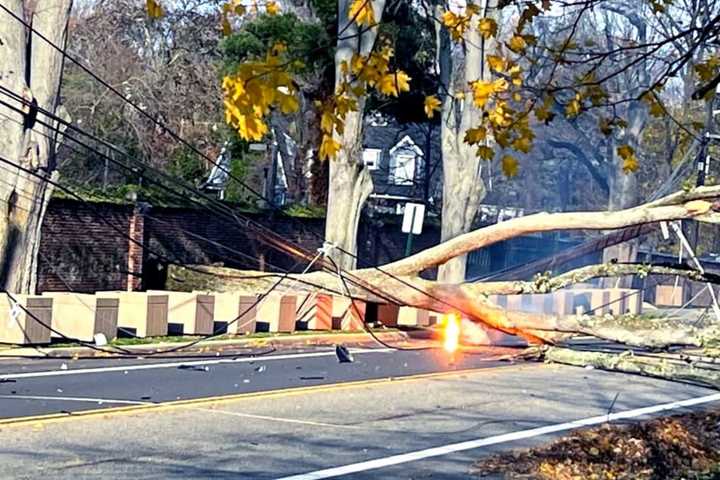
402,169
371,158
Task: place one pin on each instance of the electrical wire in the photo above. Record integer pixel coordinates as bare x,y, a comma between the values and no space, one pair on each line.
198,152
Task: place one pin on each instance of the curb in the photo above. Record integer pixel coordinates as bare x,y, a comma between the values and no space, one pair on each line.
286,341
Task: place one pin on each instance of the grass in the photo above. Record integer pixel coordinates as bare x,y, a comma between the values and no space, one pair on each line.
188,338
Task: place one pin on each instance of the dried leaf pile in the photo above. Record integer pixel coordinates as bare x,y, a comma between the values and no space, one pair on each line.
679,447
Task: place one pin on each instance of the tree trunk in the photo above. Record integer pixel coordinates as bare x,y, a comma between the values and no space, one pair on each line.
463,187
350,182
623,186
30,68
406,288
623,194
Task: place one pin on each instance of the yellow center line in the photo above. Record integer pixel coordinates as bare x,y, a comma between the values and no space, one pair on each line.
37,420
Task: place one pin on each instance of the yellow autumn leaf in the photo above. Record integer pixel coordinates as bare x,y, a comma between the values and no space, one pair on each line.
328,148
515,73
361,12
517,44
487,27
251,128
475,135
496,63
432,104
654,106
630,161
522,144
456,24
154,9
234,6
605,126
327,121
272,8
509,165
481,91
393,84
288,103
485,152
226,27
572,109
543,113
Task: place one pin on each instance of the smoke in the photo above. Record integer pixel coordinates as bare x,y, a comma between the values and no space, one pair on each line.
472,333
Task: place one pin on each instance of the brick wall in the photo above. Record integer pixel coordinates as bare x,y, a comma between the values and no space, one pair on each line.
88,246
84,248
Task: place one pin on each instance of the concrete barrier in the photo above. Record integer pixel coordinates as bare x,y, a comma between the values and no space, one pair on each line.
355,317
591,301
565,302
625,300
236,311
279,312
81,316
27,323
315,312
668,295
413,317
388,314
140,314
189,313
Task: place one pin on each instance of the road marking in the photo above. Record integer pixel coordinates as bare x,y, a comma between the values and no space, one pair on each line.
121,368
504,438
74,399
275,419
189,407
268,394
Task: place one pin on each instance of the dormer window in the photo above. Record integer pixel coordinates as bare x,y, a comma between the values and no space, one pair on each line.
402,169
405,158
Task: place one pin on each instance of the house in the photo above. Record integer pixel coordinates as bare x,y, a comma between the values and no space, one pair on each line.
405,163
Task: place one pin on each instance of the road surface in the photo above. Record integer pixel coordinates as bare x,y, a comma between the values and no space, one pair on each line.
39,386
427,426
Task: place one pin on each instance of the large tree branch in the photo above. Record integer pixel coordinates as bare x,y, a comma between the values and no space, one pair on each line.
580,155
695,204
546,284
405,288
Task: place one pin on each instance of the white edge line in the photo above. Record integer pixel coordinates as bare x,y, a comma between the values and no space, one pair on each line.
75,399
122,368
504,438
189,407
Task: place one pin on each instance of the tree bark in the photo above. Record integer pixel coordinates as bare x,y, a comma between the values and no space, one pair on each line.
463,187
407,288
30,68
623,191
350,182
666,368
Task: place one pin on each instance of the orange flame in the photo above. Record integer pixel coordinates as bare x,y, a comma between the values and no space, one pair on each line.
451,333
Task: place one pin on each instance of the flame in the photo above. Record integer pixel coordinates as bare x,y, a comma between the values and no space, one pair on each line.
451,332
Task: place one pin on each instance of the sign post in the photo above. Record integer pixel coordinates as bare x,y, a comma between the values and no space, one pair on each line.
413,218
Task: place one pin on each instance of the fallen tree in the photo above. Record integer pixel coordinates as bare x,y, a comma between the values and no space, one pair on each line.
400,281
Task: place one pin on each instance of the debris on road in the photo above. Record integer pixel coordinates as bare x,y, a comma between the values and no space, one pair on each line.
343,354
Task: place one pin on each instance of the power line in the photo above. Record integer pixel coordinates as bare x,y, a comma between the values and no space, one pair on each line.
174,349
363,284
277,241
195,150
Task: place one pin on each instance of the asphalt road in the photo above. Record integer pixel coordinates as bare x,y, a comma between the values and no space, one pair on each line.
30,387
412,428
